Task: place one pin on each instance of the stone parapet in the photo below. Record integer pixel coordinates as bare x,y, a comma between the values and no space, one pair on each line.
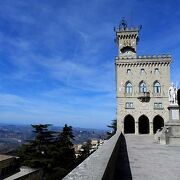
143,60
160,56
128,29
94,166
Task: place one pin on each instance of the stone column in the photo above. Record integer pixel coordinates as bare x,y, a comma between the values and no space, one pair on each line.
151,128
136,127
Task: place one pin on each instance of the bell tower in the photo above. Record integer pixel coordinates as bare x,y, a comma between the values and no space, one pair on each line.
126,40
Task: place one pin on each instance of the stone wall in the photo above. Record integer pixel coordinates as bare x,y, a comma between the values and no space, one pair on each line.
94,166
134,65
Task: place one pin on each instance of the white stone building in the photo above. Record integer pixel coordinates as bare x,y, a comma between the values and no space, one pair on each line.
142,84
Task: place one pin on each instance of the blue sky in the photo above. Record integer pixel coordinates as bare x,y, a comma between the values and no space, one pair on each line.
57,56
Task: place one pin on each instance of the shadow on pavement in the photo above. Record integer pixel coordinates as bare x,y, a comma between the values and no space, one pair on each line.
118,167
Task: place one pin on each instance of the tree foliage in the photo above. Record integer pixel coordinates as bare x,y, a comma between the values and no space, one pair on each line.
66,136
113,127
86,150
51,151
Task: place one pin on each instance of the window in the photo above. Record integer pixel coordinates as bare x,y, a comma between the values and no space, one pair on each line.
128,71
142,87
157,87
128,88
142,71
158,105
156,71
129,105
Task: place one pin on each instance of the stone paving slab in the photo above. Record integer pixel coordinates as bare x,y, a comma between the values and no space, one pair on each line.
151,161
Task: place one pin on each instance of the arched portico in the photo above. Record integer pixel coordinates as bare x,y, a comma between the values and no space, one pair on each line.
143,125
158,123
129,125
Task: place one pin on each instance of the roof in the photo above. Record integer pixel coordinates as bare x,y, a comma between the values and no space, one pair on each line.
4,157
23,172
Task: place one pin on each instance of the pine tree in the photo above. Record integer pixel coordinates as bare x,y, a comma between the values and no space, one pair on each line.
66,136
67,154
35,153
49,150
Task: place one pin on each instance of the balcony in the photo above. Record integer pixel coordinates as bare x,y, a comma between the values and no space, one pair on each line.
144,96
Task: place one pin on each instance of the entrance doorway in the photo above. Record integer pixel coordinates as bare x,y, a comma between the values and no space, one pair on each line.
143,125
129,125
158,122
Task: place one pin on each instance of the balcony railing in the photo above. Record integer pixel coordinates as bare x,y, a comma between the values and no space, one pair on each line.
144,96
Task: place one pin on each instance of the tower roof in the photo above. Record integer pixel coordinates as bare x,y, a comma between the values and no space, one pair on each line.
123,27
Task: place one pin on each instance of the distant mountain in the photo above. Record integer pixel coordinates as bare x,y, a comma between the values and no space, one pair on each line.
12,136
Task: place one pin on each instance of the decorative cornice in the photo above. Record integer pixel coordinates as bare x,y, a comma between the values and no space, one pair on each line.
128,36
142,64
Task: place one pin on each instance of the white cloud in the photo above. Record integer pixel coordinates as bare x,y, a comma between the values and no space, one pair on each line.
61,53
21,109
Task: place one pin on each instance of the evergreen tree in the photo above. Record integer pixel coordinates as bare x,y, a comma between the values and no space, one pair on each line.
86,150
65,147
49,150
66,136
35,153
42,134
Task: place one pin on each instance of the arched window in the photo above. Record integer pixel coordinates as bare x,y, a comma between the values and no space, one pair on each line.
142,87
156,71
128,88
157,87
142,71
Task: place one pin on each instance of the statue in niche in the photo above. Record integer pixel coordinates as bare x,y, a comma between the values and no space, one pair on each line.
172,94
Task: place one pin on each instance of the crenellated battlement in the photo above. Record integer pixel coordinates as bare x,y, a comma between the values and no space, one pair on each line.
144,60
127,29
161,56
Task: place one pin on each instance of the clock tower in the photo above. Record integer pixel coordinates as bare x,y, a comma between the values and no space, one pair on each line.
126,39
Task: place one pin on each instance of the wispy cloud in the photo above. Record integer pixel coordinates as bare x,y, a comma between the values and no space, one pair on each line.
57,57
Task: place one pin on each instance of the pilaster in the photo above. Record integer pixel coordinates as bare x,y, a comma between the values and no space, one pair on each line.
151,128
136,127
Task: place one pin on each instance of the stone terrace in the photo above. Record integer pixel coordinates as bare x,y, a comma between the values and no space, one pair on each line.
147,161
151,161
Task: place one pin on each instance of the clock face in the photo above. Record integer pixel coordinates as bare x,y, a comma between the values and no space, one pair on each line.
128,52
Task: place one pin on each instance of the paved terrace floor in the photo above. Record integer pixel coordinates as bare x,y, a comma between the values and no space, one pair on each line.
151,161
